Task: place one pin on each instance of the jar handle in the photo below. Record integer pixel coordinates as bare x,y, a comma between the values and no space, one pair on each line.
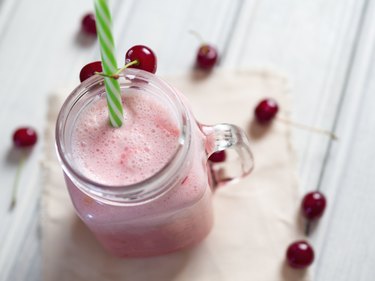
239,160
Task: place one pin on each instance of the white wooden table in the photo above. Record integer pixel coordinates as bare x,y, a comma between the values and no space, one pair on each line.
326,47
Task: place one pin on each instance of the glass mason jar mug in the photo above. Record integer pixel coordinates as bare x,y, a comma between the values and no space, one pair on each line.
171,209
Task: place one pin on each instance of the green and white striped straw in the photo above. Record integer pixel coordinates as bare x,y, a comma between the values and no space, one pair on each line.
107,50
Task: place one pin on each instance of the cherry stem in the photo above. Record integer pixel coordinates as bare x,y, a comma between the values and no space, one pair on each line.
16,182
307,228
114,76
134,62
117,74
309,128
198,36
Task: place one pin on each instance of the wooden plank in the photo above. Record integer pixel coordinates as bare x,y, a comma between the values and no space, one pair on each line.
346,230
27,265
7,9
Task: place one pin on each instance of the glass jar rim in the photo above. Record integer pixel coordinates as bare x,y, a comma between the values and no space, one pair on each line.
149,188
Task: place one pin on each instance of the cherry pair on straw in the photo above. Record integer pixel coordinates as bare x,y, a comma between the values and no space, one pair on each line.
143,57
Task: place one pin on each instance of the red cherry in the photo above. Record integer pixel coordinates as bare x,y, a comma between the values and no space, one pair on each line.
217,157
89,24
89,70
25,137
266,110
144,55
206,57
300,254
313,205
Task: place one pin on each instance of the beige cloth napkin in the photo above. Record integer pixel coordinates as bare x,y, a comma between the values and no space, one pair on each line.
255,219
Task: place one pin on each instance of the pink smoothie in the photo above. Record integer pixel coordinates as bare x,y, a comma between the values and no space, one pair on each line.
144,144
146,141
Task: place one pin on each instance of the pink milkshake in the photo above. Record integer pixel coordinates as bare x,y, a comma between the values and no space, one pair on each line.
143,145
142,189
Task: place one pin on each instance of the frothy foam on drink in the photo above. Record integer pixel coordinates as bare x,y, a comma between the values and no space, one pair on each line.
143,145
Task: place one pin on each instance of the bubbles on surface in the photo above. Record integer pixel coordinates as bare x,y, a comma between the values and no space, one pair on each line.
141,147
